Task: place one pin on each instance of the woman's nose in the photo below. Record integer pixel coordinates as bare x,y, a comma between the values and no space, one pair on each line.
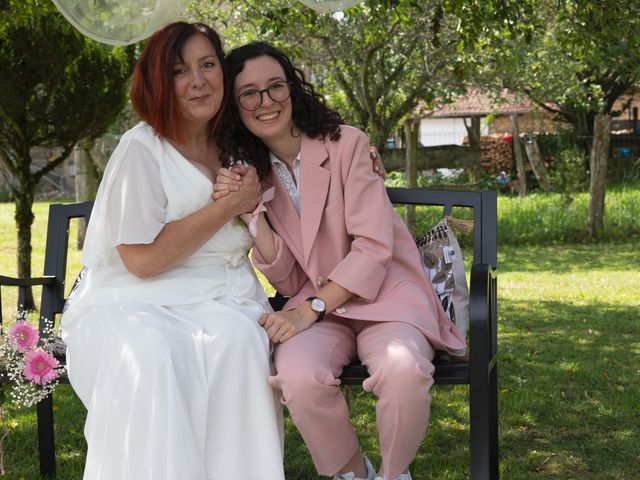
197,78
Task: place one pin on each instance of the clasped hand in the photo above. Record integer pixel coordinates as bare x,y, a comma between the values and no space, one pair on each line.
238,187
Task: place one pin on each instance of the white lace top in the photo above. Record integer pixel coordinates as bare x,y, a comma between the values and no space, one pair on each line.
287,180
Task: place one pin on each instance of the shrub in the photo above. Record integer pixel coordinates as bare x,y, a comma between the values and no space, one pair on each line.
569,174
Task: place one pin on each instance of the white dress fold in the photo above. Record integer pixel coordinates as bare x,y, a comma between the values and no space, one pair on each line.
172,369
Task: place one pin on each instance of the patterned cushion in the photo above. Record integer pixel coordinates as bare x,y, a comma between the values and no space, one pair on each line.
443,264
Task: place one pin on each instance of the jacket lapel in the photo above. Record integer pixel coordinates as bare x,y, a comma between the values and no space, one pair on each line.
283,216
314,187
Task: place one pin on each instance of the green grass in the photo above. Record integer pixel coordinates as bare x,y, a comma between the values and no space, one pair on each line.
569,375
570,351
556,218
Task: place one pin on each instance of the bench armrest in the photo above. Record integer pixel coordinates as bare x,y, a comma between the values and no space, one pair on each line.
27,282
483,318
48,281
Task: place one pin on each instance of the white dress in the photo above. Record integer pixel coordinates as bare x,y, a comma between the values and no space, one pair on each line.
172,369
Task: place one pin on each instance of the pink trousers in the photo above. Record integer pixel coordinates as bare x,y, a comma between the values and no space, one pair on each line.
398,357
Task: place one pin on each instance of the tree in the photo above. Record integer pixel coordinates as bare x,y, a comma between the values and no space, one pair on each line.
376,61
574,58
57,87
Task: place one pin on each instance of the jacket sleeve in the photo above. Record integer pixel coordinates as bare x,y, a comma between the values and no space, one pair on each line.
368,219
284,273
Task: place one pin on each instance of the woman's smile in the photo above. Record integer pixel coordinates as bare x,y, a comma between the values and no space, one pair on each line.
268,116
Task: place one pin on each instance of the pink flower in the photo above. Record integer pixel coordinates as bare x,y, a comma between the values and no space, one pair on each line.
23,336
40,367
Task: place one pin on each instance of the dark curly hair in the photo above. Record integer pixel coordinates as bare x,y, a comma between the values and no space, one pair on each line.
310,113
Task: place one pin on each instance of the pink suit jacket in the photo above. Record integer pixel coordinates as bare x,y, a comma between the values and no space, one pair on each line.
348,232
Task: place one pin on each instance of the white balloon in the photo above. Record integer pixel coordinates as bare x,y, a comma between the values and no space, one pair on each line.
120,22
323,6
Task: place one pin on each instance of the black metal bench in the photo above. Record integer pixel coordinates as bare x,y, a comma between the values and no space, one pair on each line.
51,304
479,372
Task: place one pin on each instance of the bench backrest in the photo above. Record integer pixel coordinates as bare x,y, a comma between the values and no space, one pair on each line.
484,205
55,257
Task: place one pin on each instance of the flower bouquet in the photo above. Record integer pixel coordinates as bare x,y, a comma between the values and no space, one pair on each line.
28,369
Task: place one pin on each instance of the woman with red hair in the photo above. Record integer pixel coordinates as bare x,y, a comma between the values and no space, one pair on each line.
164,345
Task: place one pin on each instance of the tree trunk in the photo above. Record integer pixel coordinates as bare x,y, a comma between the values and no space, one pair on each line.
517,150
584,126
473,134
86,182
539,169
378,138
24,219
598,172
411,128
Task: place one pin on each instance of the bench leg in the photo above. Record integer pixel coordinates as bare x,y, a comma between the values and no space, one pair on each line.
484,428
494,470
46,443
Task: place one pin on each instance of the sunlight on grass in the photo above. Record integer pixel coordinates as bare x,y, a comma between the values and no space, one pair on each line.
611,276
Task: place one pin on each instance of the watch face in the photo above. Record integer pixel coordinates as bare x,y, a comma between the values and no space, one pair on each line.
317,305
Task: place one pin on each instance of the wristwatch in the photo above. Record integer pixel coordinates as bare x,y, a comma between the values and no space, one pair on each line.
318,306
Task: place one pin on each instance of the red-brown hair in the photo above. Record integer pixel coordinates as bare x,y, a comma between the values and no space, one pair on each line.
152,87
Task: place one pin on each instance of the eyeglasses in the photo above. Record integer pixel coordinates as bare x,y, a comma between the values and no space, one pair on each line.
251,100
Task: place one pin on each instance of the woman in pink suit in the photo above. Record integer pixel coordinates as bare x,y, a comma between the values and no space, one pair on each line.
331,241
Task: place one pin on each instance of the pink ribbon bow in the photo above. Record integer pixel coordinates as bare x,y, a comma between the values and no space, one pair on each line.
251,219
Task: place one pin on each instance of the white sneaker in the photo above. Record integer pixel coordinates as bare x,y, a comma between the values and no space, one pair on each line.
371,473
402,476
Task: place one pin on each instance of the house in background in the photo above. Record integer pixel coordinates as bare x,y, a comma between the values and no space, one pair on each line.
627,121
442,132
445,125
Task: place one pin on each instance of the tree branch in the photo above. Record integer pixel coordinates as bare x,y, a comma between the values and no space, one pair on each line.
11,122
51,164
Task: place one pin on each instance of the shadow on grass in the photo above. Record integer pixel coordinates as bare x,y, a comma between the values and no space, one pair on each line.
569,391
